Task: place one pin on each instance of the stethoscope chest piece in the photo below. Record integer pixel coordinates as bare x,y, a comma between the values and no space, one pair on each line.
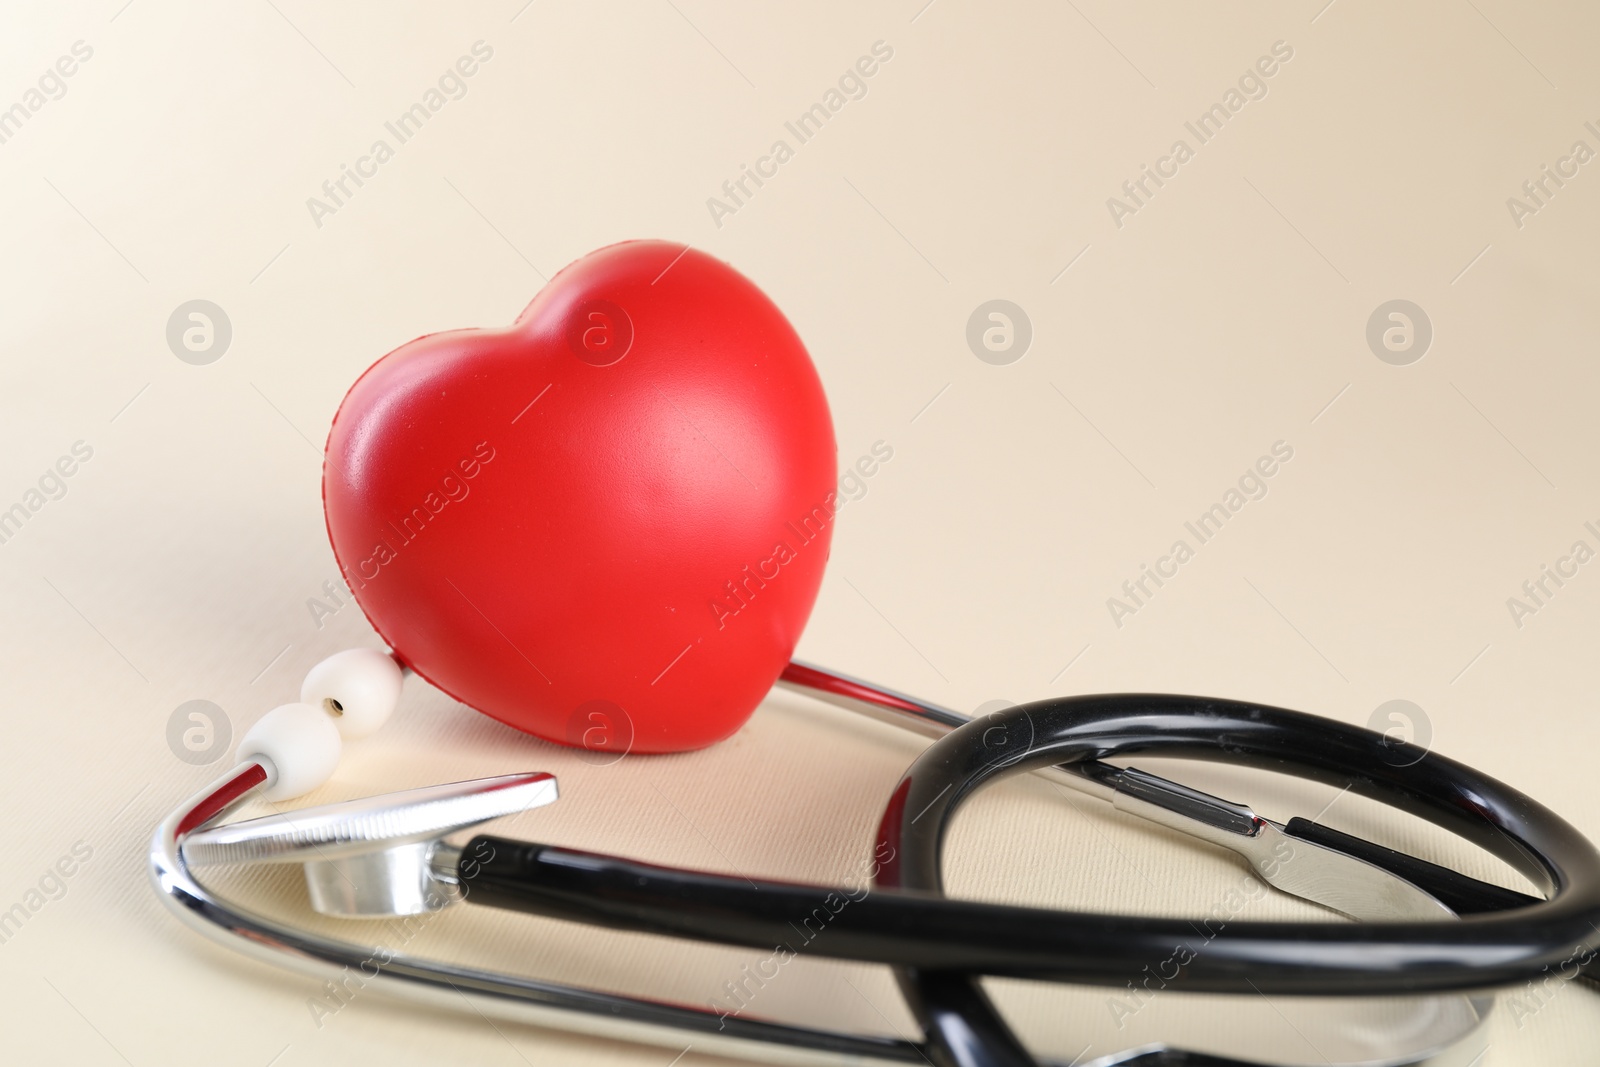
375,857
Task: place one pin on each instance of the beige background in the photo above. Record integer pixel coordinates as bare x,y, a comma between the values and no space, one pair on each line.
1227,314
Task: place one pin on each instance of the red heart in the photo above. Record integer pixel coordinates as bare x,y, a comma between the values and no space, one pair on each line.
604,525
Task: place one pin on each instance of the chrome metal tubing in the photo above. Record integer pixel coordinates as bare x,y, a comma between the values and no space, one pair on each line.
546,1004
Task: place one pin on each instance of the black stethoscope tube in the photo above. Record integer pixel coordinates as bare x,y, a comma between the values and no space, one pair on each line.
908,924
1483,949
1478,951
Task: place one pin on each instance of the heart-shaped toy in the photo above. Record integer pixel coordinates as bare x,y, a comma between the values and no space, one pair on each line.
604,525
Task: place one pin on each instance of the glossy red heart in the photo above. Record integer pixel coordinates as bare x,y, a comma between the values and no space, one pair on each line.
604,525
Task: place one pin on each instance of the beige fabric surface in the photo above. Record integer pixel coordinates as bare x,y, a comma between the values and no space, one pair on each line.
1175,339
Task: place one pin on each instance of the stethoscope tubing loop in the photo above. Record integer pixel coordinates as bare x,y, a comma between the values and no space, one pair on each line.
1289,958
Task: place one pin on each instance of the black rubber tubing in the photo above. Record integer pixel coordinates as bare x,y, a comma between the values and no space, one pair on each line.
1487,948
1456,891
911,924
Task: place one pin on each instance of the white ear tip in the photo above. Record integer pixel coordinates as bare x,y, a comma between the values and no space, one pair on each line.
358,689
301,744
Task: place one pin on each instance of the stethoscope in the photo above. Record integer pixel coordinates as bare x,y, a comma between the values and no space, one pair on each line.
617,516
1421,930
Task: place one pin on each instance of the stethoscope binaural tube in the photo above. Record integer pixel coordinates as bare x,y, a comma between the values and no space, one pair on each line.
962,1027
